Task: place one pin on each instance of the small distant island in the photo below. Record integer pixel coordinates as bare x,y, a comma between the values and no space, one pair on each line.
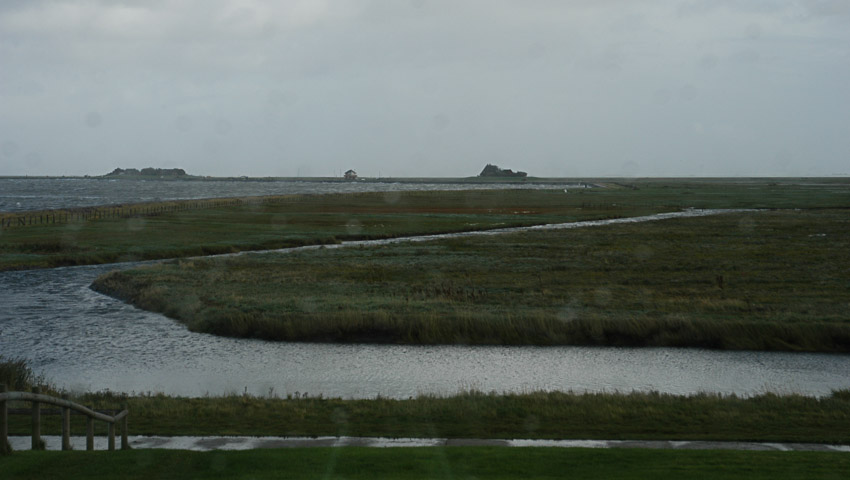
148,172
495,171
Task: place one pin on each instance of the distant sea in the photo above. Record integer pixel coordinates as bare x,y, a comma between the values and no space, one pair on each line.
23,194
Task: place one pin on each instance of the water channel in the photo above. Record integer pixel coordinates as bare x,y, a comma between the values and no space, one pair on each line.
82,340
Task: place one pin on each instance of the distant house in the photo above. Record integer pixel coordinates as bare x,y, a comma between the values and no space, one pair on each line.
121,171
351,175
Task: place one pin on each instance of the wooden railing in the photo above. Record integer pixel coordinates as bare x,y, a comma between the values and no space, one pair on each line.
67,406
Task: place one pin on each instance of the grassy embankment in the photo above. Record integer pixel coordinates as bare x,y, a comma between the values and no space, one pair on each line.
772,280
420,463
193,228
539,415
17,375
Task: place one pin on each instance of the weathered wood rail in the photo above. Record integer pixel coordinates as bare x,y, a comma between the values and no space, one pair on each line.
67,408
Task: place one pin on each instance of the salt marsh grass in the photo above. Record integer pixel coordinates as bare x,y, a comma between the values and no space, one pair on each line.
17,375
203,227
770,280
473,414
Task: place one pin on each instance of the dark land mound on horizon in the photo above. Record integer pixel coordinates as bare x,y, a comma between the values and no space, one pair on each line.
147,172
495,171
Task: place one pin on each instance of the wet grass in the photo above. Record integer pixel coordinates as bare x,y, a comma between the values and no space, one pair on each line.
177,229
416,463
17,375
769,280
538,415
199,227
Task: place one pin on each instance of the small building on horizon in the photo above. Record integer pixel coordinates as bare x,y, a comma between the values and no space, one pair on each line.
350,175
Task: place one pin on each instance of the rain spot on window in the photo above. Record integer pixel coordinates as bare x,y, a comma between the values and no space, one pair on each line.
93,119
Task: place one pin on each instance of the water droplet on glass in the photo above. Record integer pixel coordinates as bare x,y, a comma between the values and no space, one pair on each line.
746,225
136,224
223,127
93,119
9,148
631,168
708,61
531,423
643,252
602,296
568,314
353,227
440,121
33,159
753,31
661,96
688,92
183,123
392,197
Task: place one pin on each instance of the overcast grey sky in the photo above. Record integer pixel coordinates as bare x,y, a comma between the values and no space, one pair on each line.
426,87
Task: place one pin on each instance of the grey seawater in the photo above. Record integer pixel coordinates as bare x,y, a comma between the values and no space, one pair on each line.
22,194
82,340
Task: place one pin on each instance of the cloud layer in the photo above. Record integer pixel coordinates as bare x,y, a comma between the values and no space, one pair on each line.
426,87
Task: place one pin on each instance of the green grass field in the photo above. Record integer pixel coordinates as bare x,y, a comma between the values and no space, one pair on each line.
416,463
768,280
198,227
182,230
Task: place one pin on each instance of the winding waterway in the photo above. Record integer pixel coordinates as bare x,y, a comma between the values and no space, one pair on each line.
82,340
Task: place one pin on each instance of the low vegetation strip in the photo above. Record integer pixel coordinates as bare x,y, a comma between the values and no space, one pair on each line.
773,280
422,463
537,415
473,414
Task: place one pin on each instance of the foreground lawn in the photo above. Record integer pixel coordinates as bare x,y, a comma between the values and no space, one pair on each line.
414,463
767,280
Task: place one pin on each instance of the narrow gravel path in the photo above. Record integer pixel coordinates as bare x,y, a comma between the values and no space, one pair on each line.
246,443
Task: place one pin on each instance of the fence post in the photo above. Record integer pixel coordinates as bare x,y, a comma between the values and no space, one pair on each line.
125,442
66,426
4,428
111,436
36,422
90,432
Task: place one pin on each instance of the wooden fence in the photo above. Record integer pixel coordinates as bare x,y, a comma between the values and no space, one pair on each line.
67,407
